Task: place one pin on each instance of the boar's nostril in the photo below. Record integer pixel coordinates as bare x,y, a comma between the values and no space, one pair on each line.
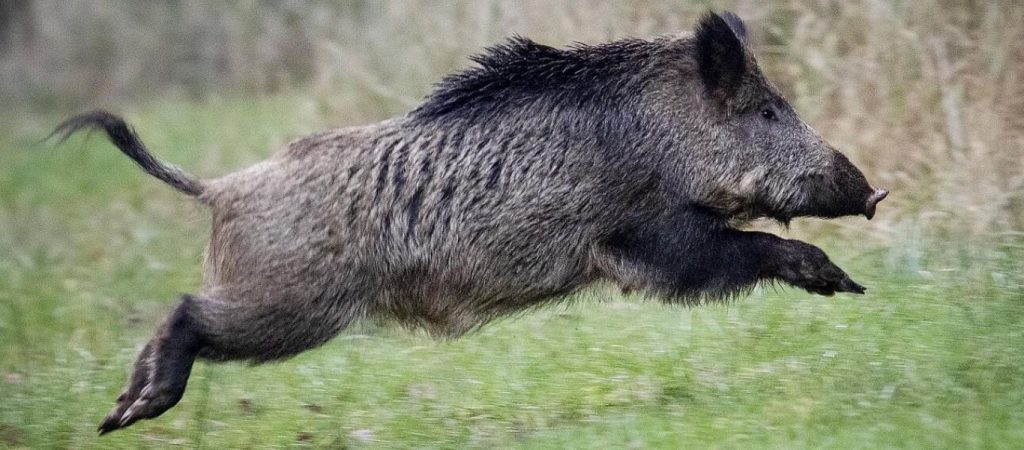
875,197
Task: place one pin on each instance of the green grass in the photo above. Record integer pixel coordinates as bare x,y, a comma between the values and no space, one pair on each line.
93,253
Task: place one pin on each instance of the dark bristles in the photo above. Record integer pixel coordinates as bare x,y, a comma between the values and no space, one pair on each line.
521,69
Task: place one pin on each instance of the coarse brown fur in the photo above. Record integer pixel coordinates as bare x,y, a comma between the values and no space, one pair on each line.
517,182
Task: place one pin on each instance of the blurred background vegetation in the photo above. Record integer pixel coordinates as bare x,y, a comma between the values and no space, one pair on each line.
927,97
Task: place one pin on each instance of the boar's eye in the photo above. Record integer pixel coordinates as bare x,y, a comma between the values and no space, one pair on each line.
768,114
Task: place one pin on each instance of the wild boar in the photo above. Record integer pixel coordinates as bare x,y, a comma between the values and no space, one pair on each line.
518,181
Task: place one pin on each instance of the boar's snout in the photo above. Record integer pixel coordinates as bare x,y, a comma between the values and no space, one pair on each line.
844,191
860,196
873,199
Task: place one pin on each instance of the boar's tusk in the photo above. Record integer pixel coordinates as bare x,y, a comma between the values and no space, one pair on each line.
877,196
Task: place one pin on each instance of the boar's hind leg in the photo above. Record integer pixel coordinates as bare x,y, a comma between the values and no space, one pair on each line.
261,325
223,324
161,370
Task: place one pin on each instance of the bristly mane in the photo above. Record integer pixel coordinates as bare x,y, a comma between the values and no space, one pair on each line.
521,69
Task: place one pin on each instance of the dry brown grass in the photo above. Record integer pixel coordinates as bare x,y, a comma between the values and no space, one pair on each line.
926,96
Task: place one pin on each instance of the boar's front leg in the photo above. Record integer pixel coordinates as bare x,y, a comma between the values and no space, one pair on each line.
692,256
805,266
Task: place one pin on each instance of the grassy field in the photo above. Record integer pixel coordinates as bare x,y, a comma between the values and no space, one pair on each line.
93,253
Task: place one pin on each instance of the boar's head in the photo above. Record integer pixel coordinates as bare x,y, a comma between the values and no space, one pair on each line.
740,147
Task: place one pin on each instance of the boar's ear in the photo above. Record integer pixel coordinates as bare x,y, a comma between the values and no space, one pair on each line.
736,24
721,57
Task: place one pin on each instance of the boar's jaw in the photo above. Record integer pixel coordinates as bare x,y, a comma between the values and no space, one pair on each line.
740,210
840,191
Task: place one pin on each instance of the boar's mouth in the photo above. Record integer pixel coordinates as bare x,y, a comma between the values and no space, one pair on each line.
833,203
841,191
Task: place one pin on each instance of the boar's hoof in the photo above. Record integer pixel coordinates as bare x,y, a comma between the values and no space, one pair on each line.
151,402
807,267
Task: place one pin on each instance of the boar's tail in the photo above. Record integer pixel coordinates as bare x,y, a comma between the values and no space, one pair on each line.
128,142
